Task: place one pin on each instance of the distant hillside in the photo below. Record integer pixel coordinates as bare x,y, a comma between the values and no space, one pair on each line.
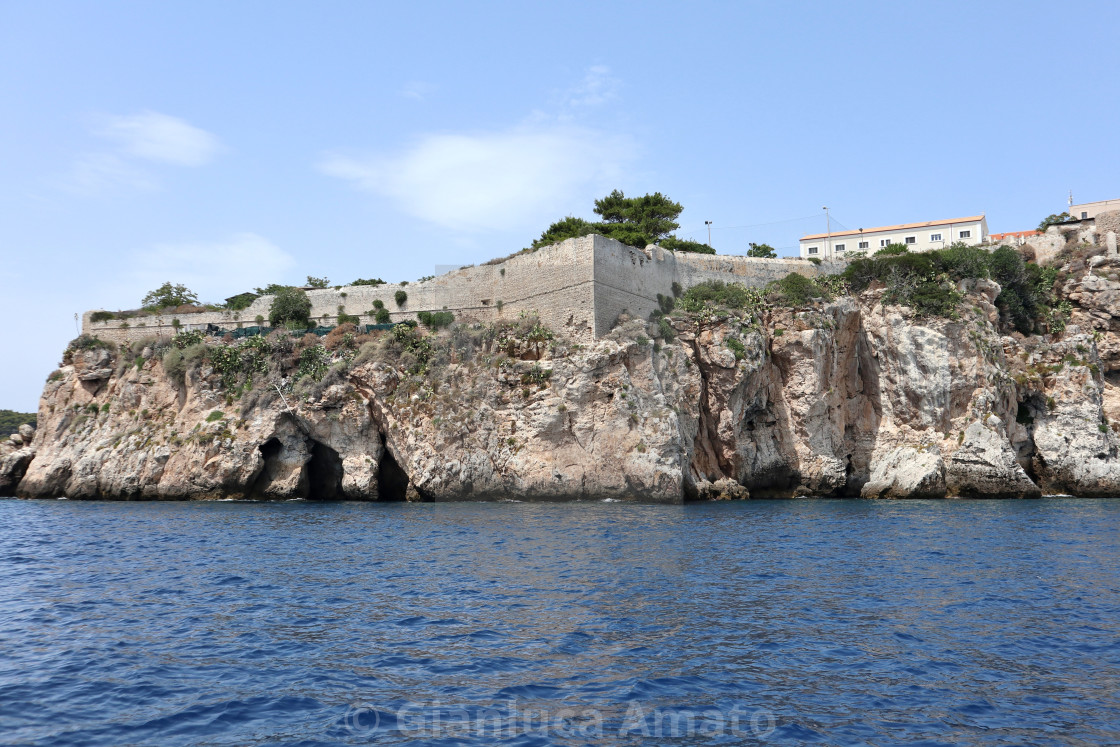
10,421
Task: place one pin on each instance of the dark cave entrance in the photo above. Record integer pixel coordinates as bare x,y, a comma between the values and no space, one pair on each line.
392,481
324,472
270,452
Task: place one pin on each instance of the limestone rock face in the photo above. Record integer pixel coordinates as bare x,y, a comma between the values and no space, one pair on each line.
851,397
906,472
13,465
985,466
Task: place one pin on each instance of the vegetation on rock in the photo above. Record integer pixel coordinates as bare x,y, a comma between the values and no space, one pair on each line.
290,306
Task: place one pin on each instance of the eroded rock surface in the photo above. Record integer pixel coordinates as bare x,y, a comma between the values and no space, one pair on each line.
846,398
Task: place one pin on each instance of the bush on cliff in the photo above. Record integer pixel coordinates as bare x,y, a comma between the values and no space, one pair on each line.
795,290
290,306
718,294
434,320
927,281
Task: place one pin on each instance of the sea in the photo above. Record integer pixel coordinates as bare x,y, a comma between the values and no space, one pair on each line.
830,622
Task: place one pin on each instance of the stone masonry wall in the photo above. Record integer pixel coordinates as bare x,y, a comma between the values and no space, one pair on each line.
578,286
629,279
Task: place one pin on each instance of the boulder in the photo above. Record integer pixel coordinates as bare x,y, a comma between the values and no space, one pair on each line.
906,472
985,467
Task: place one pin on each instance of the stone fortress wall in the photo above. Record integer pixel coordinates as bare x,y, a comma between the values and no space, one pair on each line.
579,287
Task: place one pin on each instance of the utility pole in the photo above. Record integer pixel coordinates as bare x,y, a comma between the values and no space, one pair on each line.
828,229
708,223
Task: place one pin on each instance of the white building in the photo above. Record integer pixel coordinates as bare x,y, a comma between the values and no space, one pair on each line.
1091,209
918,237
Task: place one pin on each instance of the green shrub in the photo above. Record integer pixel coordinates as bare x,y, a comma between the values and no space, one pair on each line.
102,316
795,290
290,305
762,251
313,362
677,290
174,365
378,303
215,416
736,346
673,244
186,339
963,261
436,320
718,294
371,281
400,297
241,301
665,330
382,316
892,250
344,318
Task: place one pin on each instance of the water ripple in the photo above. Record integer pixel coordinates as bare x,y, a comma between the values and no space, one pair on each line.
803,622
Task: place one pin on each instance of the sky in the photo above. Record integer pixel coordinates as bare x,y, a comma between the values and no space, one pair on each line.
228,145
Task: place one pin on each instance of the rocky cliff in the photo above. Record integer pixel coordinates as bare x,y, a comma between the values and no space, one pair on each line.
846,397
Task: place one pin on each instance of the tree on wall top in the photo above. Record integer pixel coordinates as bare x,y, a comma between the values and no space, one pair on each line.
169,295
1051,220
765,251
636,221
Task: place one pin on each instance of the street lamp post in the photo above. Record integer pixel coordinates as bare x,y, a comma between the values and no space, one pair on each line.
708,223
828,229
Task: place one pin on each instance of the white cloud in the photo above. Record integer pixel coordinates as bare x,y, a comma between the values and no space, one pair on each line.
417,90
496,180
160,137
140,140
95,172
213,269
597,88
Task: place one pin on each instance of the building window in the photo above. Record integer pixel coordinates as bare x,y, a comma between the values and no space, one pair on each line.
965,234
884,242
839,247
864,244
1084,215
935,237
812,250
911,239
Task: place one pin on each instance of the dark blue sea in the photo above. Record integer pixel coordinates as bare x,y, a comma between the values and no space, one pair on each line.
784,622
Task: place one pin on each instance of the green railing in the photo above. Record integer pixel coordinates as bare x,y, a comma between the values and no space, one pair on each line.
216,331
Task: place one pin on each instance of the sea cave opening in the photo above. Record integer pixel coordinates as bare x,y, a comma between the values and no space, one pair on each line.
324,472
392,481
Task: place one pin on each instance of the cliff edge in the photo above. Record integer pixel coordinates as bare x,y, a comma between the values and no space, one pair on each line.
840,394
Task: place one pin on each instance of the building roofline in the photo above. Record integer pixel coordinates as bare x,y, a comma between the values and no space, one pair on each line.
899,227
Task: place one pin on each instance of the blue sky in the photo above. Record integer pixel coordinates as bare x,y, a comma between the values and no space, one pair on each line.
227,145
